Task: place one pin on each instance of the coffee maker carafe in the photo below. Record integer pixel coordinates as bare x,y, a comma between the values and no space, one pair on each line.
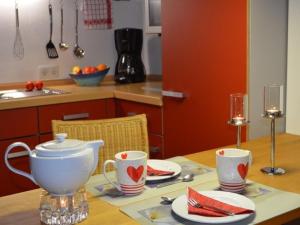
129,66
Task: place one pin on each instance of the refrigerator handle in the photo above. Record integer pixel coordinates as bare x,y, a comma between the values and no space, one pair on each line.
173,94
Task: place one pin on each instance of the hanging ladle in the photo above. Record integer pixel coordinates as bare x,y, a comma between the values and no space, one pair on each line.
78,52
62,45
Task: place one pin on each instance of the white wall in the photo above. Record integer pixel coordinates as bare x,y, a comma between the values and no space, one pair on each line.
98,44
267,60
293,77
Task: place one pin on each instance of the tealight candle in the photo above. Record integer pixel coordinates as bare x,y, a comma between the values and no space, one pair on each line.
273,110
63,202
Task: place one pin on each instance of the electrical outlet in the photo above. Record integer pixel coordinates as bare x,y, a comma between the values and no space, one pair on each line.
48,72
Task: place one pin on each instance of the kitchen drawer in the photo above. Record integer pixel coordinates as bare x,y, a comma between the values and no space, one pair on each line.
155,146
153,113
94,109
18,122
11,182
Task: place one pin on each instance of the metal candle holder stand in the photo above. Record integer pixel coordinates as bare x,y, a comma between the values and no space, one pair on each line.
272,170
238,123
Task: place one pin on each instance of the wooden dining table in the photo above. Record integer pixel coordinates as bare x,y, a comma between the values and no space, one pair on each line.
23,208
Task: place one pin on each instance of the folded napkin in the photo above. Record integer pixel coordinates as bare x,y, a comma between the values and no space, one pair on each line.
212,202
154,172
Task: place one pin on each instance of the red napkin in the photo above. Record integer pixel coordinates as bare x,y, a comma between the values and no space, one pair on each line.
209,201
154,172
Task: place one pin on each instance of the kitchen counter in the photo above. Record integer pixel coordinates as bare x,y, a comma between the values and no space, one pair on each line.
146,92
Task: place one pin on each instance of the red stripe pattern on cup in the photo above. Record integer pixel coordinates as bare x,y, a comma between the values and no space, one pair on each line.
232,187
132,189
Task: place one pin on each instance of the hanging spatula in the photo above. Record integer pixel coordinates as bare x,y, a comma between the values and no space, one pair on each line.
51,50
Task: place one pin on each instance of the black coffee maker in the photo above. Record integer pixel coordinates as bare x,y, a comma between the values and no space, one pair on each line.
129,67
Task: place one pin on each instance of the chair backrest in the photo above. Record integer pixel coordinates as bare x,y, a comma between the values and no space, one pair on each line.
118,134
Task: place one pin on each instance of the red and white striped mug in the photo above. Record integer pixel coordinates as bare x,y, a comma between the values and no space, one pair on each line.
131,171
232,168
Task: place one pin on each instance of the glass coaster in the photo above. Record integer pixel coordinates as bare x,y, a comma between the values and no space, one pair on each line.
65,209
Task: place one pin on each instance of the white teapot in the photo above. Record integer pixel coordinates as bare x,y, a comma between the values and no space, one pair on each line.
60,166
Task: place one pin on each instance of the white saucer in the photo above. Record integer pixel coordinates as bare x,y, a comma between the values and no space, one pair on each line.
163,165
179,206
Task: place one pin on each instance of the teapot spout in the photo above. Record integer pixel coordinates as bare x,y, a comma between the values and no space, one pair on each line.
95,145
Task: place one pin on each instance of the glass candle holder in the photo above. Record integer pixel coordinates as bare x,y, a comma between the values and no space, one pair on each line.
64,209
273,109
238,108
238,113
273,100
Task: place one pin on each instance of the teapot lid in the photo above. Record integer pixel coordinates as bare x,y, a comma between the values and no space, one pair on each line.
60,146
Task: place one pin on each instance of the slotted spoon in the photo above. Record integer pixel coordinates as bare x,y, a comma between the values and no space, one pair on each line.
18,45
51,50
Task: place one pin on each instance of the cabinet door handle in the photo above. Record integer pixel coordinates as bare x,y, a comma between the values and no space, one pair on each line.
131,113
15,155
76,116
173,94
154,149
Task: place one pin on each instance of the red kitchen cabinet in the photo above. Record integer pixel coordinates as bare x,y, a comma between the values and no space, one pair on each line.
11,182
45,137
153,113
156,146
154,122
204,53
94,109
18,123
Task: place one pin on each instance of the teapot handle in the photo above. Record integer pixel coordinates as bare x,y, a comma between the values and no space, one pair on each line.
20,172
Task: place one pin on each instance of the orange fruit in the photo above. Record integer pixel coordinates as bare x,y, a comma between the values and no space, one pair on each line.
101,67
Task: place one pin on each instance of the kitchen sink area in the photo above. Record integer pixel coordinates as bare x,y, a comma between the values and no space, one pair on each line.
21,93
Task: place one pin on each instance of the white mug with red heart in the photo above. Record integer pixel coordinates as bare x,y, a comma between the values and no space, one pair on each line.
131,171
232,168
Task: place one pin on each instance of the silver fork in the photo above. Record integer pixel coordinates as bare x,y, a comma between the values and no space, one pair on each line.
196,204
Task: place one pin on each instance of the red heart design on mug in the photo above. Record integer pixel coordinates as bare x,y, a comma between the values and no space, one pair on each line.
242,169
221,152
124,155
135,173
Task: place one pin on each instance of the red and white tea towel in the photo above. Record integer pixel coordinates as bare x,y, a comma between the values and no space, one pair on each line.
97,14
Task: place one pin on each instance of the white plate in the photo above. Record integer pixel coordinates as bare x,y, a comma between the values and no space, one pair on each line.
163,165
179,206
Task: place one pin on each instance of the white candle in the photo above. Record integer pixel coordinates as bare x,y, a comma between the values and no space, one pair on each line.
273,110
238,118
63,203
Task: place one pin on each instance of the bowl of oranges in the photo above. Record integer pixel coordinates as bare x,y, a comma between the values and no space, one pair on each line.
89,75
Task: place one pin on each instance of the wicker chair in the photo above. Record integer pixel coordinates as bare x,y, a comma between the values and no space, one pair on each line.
118,134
